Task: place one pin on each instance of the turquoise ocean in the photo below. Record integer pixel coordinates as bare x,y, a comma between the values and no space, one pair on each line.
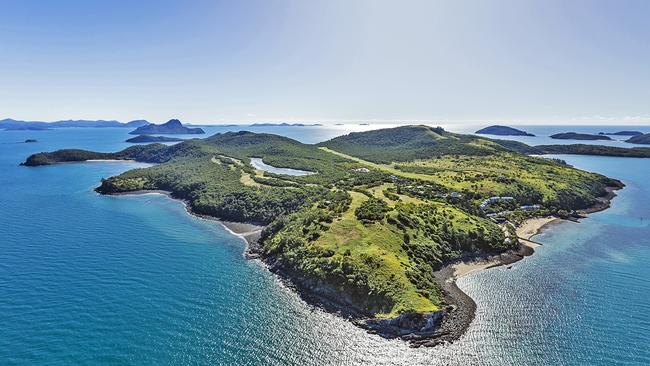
134,280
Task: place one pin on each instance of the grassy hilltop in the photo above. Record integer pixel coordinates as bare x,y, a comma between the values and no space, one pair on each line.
382,212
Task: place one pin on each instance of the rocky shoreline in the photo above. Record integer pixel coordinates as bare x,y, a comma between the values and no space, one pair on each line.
430,329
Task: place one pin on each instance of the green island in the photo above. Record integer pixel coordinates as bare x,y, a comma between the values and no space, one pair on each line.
503,131
382,213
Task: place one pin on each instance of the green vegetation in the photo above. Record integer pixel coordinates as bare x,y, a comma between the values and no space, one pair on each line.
382,212
412,142
371,210
154,153
529,180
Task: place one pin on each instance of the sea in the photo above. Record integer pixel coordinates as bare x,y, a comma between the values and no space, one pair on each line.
87,279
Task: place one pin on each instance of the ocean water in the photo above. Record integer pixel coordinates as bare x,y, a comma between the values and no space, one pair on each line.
134,280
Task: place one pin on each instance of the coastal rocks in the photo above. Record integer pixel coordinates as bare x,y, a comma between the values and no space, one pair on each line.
409,325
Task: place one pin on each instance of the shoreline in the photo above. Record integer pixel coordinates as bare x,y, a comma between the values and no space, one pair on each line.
462,306
458,310
248,232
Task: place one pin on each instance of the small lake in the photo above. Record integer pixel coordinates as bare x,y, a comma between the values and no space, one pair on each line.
257,163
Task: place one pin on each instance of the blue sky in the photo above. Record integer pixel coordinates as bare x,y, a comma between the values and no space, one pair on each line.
337,60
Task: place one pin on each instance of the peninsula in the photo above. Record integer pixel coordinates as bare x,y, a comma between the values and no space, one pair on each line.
640,139
173,126
366,230
503,131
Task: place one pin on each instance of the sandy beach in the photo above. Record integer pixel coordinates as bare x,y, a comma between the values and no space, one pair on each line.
525,232
532,227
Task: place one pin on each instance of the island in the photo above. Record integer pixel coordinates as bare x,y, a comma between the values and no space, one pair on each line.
640,139
26,128
17,125
284,124
148,138
578,136
622,133
171,127
503,131
368,225
30,141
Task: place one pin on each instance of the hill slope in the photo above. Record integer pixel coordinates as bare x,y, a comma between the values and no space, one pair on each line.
416,142
173,126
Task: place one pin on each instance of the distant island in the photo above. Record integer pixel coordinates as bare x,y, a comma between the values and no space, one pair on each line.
173,126
30,141
284,124
16,125
578,136
374,230
640,139
622,133
503,131
150,138
27,128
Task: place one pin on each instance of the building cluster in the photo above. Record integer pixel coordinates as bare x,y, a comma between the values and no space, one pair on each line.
494,199
530,207
361,170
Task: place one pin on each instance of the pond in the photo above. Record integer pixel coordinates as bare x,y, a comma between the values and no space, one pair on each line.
257,163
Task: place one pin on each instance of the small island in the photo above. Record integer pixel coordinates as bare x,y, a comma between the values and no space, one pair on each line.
375,226
622,133
30,141
640,139
149,138
578,136
284,124
503,131
172,127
